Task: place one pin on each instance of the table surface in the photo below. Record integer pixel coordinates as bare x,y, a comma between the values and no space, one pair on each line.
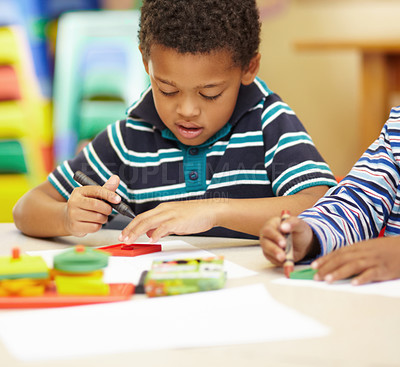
365,329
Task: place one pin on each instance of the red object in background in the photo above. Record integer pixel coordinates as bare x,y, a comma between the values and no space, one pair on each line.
135,249
48,158
9,86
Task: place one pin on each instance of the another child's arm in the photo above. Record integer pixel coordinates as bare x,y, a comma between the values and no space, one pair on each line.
273,242
369,261
44,212
195,216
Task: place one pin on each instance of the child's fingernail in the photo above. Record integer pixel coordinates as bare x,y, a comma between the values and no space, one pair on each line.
285,226
329,278
123,239
281,257
317,277
314,265
117,198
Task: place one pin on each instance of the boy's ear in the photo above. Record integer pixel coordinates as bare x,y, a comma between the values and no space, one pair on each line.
252,70
145,62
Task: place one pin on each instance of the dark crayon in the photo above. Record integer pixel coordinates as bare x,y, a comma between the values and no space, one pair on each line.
121,208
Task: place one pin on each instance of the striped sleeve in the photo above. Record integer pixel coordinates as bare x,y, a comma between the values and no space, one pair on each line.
366,200
291,158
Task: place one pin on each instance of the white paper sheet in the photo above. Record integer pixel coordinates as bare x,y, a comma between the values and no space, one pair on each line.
229,316
389,288
129,269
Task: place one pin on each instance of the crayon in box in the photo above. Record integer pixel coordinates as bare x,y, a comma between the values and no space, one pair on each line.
181,276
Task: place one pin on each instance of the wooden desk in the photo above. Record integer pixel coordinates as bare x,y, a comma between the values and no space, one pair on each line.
364,328
380,79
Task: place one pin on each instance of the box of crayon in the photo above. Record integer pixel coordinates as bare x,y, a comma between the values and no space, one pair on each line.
172,277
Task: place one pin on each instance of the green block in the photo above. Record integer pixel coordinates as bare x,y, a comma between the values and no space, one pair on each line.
12,159
307,273
80,259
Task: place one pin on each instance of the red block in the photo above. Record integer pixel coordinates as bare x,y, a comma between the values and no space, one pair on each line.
130,250
9,87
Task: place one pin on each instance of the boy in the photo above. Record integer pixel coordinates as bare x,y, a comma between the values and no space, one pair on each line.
200,148
365,202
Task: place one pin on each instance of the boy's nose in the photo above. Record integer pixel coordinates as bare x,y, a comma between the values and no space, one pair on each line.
187,107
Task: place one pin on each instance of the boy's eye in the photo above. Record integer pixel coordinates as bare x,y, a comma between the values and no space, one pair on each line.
168,94
211,98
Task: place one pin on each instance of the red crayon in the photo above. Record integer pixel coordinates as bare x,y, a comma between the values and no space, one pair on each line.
288,265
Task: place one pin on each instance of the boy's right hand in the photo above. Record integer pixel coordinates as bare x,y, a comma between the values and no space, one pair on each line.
273,242
87,208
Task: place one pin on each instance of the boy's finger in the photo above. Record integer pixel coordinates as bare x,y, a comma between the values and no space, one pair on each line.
291,224
271,233
159,232
100,192
367,276
272,252
272,259
342,272
112,183
276,259
90,204
344,269
331,260
142,224
92,214
372,274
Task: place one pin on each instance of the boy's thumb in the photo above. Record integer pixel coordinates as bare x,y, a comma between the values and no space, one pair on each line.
112,183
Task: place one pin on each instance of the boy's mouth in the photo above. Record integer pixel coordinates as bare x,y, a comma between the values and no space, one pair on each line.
189,131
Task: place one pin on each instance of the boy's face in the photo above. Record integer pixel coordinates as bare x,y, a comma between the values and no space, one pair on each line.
194,95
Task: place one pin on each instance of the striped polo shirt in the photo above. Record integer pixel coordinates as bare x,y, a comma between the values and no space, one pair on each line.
367,199
262,151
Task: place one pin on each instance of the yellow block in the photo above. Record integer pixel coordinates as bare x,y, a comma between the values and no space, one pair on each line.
12,187
81,285
8,46
22,287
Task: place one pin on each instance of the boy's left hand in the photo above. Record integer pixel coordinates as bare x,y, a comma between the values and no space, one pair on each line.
177,217
370,261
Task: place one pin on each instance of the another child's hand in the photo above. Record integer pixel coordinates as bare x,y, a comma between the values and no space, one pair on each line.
371,261
87,211
177,217
273,242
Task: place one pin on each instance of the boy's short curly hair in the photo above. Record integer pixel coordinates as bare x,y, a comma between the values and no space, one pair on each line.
202,26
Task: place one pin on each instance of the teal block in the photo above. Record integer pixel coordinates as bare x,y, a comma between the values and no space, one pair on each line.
12,158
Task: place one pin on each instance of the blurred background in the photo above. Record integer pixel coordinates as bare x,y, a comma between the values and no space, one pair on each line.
68,68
